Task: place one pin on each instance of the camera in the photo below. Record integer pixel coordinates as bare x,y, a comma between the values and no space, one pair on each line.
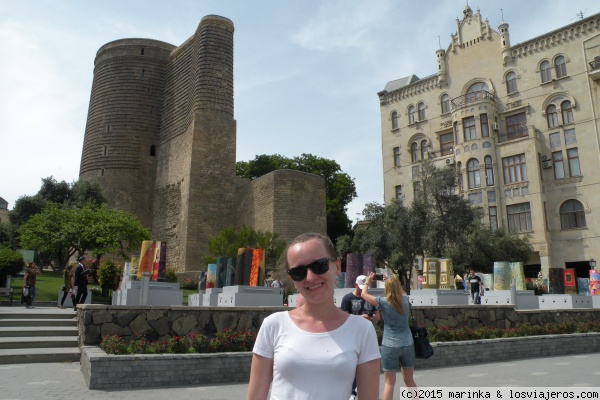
378,277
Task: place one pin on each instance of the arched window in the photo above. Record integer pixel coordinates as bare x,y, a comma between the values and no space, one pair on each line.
411,115
560,66
421,111
552,116
423,149
445,104
414,152
489,171
546,71
567,112
511,82
473,173
394,120
461,183
572,215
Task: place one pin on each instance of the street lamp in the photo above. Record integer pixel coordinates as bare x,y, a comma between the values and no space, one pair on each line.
592,263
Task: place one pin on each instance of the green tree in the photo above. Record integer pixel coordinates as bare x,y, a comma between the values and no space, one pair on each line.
339,186
230,239
63,231
11,263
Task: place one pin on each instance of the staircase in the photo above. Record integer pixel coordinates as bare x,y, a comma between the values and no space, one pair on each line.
38,335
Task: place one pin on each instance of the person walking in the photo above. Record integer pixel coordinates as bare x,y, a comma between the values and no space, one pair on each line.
313,352
68,284
80,281
397,349
476,285
29,281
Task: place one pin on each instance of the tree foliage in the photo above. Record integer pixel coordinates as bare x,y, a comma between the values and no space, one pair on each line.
11,263
339,186
63,231
230,239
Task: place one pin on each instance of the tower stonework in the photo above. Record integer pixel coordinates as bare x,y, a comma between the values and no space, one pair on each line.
171,156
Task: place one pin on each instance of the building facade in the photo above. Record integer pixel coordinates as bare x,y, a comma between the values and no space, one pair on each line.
160,139
3,211
519,124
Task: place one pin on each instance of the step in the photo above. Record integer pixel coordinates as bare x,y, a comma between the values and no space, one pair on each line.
16,331
28,313
38,342
49,355
38,322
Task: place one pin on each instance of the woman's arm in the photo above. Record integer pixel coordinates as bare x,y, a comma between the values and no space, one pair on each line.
25,278
367,380
261,376
365,291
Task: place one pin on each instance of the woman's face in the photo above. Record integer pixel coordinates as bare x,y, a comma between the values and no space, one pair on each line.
314,287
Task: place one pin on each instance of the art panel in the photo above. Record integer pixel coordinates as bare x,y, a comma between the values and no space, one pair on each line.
569,281
502,275
353,268
162,262
257,268
211,276
517,276
231,268
555,281
594,284
147,254
242,266
221,272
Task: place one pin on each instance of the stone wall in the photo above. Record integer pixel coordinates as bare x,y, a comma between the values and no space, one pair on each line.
154,322
103,371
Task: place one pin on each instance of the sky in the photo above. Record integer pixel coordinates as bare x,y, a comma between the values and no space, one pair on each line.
306,72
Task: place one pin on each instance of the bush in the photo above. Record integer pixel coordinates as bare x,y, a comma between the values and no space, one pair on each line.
226,341
170,276
11,263
189,284
108,273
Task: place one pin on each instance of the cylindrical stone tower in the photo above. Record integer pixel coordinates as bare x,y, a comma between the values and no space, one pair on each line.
121,134
505,42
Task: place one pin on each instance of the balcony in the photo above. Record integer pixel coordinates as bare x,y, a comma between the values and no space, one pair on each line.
515,132
595,69
472,98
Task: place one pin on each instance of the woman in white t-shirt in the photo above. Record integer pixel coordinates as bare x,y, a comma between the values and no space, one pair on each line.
314,351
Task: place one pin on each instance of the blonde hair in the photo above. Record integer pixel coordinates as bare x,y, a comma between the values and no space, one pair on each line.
393,293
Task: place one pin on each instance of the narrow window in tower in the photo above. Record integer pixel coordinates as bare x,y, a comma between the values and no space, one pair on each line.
152,150
143,72
142,51
102,172
104,150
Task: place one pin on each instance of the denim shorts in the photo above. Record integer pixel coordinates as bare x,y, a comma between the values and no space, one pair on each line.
392,358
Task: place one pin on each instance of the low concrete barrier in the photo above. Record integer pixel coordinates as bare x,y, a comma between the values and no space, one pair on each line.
102,371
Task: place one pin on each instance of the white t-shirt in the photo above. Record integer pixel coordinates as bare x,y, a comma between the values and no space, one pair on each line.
311,366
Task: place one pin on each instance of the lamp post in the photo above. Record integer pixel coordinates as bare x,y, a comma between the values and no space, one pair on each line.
592,263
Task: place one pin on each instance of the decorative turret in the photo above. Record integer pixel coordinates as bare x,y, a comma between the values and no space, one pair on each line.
505,42
441,63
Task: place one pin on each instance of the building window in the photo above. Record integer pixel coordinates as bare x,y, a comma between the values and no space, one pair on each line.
473,173
469,128
411,115
573,158
398,192
515,169
559,165
493,213
552,116
423,149
511,82
567,112
394,120
396,156
414,152
417,192
445,104
461,183
489,171
554,140
421,111
446,144
572,215
516,126
560,66
519,217
546,71
485,127
153,150
570,137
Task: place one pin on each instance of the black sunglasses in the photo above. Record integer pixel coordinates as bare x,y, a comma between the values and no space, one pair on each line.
318,267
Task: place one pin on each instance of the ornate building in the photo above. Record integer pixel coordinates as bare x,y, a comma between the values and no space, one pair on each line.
519,124
161,140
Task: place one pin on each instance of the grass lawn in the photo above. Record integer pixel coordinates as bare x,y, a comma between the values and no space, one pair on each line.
50,282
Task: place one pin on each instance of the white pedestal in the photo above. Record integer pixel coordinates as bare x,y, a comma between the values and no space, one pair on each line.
69,301
595,301
211,297
564,301
526,299
250,296
159,294
194,300
438,297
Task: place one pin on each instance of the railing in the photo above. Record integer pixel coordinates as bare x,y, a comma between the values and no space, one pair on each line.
514,132
470,98
595,64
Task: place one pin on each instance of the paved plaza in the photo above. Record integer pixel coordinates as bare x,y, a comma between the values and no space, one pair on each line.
65,381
